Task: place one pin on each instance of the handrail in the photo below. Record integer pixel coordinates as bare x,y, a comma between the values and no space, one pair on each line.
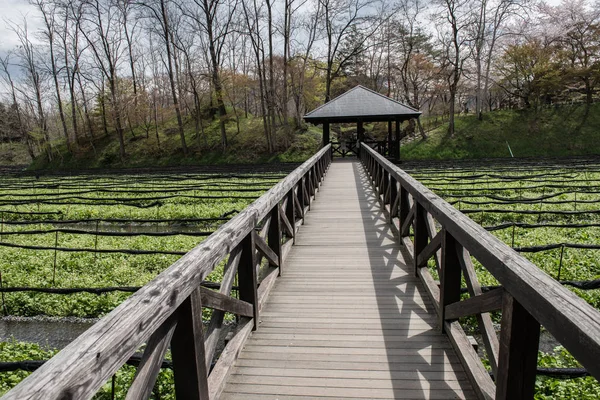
169,308
528,296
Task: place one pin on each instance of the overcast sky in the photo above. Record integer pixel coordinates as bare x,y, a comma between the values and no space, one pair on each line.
15,10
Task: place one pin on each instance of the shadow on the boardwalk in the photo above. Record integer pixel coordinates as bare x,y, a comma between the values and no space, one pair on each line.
421,360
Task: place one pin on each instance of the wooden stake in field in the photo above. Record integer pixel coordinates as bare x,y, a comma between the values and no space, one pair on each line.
55,251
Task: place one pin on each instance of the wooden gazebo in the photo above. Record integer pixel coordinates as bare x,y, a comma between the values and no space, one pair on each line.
359,105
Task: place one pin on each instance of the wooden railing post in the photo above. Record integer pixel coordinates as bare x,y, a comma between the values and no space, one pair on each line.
290,213
301,197
385,189
450,274
247,278
517,361
274,236
187,348
421,237
394,199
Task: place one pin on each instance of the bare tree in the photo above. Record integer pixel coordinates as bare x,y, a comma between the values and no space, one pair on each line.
339,18
29,61
104,37
160,14
452,34
214,19
5,69
49,11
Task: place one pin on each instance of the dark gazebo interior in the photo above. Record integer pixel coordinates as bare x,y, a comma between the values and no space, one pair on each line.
360,105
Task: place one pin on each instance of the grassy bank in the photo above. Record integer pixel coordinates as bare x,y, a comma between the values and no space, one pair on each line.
149,149
551,132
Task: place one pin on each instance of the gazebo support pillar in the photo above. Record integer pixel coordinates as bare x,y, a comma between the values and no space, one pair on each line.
397,146
360,131
325,134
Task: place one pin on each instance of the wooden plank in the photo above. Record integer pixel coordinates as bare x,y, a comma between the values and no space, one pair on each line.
519,342
349,373
490,301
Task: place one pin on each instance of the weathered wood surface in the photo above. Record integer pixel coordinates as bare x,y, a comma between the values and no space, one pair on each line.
348,318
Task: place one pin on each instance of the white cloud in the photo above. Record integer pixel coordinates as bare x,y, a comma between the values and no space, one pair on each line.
14,11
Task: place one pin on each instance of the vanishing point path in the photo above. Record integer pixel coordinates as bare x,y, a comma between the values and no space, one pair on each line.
347,319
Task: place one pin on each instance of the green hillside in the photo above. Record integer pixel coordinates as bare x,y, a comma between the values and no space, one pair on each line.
551,132
145,149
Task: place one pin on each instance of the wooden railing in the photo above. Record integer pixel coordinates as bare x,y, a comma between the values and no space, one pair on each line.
527,298
167,312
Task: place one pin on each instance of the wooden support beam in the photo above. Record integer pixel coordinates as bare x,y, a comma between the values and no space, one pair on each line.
223,367
407,222
187,349
490,301
213,331
287,227
154,353
326,139
266,251
429,250
431,232
218,301
299,207
519,341
486,327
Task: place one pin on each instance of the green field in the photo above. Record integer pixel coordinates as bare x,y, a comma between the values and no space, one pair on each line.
93,231
59,223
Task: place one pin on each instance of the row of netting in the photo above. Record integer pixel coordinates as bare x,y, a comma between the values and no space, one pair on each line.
79,245
548,211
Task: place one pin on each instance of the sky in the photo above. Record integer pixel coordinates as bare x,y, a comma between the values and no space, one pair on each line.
15,10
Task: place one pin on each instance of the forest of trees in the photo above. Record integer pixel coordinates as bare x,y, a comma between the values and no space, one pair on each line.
117,67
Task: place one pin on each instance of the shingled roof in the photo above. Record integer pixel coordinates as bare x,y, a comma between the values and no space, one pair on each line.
361,104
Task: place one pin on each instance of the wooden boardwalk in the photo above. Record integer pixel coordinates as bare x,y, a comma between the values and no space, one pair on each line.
347,318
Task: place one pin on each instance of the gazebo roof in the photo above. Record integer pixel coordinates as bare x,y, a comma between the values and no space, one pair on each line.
361,104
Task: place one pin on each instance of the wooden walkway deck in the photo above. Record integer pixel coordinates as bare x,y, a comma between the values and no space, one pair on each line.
347,318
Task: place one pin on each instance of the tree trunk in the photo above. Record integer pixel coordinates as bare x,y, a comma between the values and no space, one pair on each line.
171,76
